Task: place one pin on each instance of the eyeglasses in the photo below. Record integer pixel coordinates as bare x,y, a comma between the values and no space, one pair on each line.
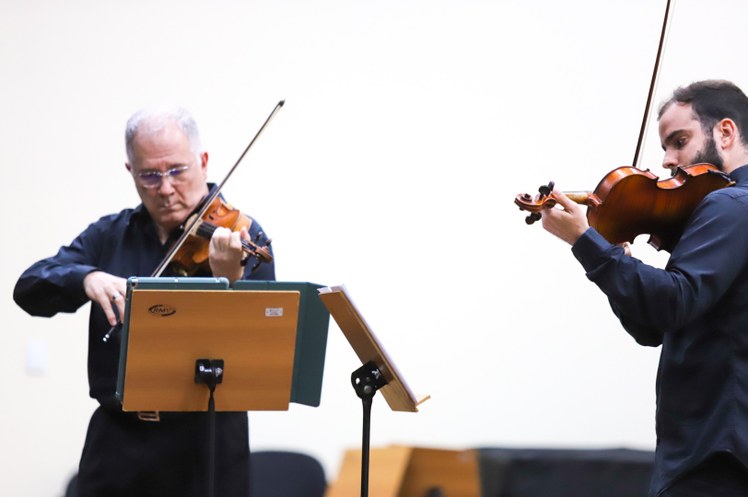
152,179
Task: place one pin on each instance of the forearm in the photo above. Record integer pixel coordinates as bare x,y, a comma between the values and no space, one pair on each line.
48,287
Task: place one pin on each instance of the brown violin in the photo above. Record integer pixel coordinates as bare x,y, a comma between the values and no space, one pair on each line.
629,202
192,256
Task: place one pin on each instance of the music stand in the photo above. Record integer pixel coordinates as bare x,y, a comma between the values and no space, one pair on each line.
311,337
377,373
182,334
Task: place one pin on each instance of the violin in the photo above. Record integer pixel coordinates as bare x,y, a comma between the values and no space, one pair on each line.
192,256
629,202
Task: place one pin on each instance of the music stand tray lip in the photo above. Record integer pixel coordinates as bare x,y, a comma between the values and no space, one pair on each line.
364,342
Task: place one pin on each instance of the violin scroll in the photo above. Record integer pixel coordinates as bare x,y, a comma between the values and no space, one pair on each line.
258,249
534,205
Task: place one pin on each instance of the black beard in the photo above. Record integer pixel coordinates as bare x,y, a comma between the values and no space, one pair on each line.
709,155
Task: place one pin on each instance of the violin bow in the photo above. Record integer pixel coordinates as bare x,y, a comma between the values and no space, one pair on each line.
211,197
652,85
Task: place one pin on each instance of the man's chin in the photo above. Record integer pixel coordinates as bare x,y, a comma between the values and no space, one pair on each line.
168,217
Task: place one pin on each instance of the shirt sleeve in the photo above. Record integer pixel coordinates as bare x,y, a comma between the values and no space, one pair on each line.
55,284
651,301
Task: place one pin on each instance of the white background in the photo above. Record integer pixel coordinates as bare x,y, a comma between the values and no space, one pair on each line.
409,127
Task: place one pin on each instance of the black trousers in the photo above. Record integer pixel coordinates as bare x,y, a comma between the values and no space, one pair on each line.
722,475
126,457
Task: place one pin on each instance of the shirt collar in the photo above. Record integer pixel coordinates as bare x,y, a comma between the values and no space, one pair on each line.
740,174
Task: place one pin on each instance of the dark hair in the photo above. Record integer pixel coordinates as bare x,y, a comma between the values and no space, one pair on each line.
713,100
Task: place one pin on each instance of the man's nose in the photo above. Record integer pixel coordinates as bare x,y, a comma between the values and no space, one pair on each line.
670,161
165,187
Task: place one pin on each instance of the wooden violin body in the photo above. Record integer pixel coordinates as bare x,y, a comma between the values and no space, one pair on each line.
192,257
629,202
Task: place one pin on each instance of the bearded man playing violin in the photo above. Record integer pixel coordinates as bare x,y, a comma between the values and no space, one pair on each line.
697,306
126,454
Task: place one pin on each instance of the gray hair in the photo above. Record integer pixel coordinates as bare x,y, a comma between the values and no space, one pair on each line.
152,120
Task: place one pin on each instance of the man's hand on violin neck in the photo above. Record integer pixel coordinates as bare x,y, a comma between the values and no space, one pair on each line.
225,253
568,222
108,291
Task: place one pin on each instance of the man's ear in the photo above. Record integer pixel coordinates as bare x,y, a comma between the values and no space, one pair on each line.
128,167
727,133
204,164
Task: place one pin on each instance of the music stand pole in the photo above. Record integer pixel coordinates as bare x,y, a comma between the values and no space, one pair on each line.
210,372
377,371
366,380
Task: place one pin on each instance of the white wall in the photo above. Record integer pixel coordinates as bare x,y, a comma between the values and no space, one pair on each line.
409,127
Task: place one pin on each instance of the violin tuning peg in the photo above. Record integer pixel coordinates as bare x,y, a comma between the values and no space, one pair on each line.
546,190
532,217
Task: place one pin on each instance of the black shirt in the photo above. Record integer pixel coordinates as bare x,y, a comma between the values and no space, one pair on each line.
697,309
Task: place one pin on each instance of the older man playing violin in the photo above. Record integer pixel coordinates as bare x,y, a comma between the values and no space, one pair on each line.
126,454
